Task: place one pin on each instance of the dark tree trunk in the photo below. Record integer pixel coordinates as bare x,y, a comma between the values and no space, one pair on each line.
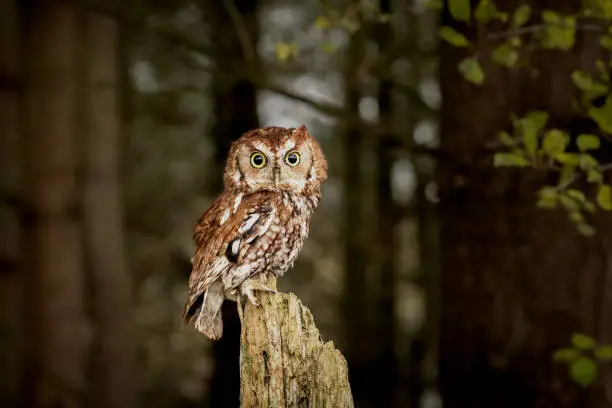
235,108
386,242
52,234
516,281
114,365
10,251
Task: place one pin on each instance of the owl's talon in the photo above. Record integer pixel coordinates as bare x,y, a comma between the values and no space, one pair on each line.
248,288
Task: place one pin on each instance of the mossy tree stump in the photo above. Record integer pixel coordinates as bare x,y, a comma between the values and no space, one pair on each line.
283,361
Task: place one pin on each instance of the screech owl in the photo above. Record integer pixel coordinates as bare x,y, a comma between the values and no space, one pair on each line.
258,224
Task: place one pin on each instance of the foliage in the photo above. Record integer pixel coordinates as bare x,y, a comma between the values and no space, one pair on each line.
582,357
531,143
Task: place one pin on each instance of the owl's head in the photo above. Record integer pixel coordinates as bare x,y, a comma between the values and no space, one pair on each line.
277,159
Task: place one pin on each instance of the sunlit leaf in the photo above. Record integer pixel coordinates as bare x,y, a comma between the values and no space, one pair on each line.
582,341
453,36
587,142
604,197
509,159
568,158
506,139
472,71
604,353
566,355
460,9
505,54
586,83
539,119
583,371
521,15
487,11
606,41
559,32
530,135
555,142
603,115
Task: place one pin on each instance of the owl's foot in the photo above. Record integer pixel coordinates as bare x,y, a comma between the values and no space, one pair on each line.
248,287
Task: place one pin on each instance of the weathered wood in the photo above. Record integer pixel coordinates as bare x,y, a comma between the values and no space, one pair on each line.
283,362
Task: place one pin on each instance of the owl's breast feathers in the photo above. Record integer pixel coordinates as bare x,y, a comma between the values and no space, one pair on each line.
240,236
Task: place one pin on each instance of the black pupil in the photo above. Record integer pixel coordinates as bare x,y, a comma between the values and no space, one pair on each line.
293,158
258,159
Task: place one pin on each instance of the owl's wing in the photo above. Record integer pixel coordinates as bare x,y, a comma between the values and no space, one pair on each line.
224,237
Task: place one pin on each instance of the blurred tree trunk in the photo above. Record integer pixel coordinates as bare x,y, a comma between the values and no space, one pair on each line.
386,242
356,299
114,370
10,250
235,107
52,234
517,281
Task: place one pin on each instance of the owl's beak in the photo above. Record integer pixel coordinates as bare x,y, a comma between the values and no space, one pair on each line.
276,174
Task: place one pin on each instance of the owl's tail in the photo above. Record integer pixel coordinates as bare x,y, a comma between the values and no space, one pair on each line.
205,312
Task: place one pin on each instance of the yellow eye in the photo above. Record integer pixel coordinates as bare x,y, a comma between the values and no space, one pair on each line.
258,160
292,159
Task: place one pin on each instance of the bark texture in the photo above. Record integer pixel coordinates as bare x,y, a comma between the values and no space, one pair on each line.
283,362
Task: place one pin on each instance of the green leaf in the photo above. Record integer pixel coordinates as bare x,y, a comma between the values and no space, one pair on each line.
586,83
434,4
460,9
606,41
583,371
572,159
472,71
586,229
604,197
551,17
539,119
588,162
566,355
505,55
567,173
559,32
587,142
530,135
594,176
506,139
487,11
453,36
521,15
578,196
555,142
582,341
603,115
548,197
509,159
604,353
323,23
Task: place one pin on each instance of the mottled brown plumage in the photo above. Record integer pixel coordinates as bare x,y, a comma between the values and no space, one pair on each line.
258,224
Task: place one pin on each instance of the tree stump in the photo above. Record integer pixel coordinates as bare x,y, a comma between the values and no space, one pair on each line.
283,361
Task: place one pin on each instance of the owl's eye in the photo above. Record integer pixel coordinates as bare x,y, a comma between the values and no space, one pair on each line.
292,158
258,160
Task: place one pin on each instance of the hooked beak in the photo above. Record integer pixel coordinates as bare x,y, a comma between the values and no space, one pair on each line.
276,174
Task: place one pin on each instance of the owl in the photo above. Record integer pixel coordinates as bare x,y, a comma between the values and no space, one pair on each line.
272,186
